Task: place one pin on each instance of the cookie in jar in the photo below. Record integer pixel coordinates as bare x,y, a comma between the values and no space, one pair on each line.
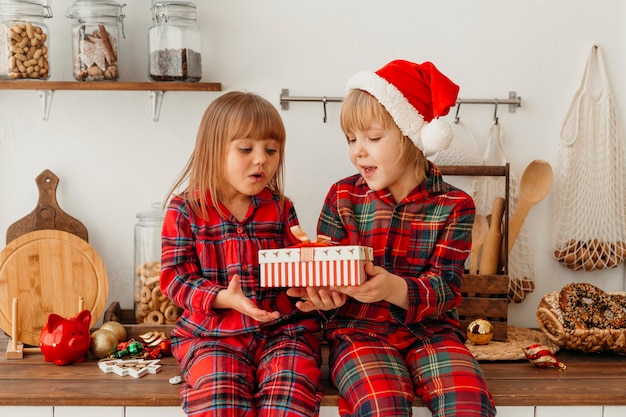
151,305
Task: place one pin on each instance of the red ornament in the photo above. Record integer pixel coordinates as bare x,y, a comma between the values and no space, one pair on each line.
166,347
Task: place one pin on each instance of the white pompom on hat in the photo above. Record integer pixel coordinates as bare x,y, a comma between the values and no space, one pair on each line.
415,95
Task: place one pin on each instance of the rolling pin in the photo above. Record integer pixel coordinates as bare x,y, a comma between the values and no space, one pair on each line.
490,257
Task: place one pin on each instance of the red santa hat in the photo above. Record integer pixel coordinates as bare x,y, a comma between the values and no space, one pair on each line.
415,95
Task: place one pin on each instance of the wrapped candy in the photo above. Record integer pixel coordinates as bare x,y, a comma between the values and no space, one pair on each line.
542,357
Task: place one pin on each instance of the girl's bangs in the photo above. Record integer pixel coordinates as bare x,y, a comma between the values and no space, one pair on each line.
259,122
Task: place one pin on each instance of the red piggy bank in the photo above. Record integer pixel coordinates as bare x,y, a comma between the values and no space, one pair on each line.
64,341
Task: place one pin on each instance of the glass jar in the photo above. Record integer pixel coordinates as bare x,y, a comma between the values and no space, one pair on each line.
24,39
151,306
174,42
95,35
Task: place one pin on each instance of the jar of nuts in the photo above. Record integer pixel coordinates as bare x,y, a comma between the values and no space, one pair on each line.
95,35
174,42
151,306
24,39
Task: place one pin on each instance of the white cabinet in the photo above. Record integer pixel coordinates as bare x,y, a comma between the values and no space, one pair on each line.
579,411
89,411
614,411
528,411
326,411
154,412
26,411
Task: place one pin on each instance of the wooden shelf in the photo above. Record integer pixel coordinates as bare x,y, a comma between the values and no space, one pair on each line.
107,85
157,89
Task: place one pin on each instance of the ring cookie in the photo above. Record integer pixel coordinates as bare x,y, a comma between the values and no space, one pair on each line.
151,305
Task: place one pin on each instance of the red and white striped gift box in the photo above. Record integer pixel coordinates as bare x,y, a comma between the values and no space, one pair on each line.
314,266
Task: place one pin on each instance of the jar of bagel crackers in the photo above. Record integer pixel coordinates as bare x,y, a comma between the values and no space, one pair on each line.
151,306
24,39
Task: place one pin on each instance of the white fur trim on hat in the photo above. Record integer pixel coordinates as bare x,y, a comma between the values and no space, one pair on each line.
408,119
436,136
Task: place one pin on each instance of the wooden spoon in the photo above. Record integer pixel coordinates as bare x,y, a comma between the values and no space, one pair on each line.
533,187
479,231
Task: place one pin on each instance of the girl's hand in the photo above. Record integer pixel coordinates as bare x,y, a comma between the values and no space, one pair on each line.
317,298
233,297
380,285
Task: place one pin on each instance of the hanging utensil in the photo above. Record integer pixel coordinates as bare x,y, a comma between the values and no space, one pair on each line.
534,185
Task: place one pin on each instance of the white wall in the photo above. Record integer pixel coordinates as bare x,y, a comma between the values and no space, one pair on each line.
113,160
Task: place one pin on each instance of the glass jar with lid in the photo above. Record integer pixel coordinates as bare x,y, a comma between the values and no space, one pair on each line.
174,42
151,306
24,39
95,39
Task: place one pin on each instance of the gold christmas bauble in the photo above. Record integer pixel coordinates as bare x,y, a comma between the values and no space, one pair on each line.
103,343
117,328
480,331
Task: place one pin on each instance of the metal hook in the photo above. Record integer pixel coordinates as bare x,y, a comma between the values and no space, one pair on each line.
495,112
324,100
456,115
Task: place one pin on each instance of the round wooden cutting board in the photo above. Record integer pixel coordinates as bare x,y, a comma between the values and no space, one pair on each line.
48,271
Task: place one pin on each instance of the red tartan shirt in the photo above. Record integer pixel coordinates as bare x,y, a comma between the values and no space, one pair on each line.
200,256
425,238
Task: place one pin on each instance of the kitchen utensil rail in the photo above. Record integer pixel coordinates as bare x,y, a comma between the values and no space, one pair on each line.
513,101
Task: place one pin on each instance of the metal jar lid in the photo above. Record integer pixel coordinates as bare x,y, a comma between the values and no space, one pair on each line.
157,213
96,8
35,8
163,10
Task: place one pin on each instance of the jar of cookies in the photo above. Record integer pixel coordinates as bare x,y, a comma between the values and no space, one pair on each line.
151,306
95,39
24,39
174,42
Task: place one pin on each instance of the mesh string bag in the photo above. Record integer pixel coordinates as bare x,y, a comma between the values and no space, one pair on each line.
461,151
588,197
521,268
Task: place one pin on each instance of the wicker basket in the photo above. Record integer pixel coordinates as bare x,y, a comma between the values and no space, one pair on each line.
550,321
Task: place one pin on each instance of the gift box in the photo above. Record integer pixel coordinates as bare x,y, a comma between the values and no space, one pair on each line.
314,266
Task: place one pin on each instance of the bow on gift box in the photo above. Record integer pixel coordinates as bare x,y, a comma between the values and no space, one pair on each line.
305,241
307,251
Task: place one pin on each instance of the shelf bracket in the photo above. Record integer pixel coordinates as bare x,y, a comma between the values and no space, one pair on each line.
156,97
46,97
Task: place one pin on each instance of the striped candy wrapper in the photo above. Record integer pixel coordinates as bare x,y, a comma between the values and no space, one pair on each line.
314,266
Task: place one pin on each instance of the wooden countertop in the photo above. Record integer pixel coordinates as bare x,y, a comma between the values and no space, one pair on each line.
590,379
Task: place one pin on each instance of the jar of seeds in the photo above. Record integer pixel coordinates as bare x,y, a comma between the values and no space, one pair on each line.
95,39
174,42
24,39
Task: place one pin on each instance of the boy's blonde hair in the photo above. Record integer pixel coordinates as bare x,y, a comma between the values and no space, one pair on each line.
360,109
234,115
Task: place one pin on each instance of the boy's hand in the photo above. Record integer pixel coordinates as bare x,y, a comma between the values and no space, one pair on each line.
233,297
317,298
380,285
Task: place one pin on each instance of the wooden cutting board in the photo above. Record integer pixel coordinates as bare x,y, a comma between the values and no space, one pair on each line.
48,265
47,214
48,271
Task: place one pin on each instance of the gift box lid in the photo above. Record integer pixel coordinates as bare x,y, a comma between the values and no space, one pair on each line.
316,253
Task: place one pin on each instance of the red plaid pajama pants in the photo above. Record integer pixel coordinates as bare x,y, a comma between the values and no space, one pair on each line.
251,376
379,375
